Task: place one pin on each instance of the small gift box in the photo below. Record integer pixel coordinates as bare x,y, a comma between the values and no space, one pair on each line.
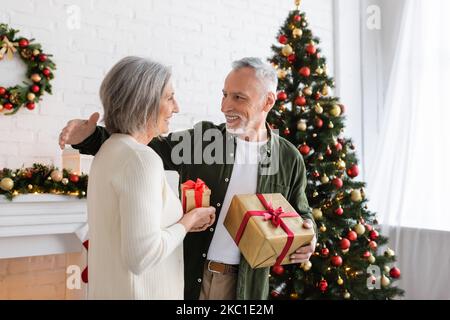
266,228
195,195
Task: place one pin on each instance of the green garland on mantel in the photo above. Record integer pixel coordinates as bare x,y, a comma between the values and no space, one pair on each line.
42,179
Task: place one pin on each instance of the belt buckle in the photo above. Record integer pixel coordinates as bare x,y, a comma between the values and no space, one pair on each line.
209,267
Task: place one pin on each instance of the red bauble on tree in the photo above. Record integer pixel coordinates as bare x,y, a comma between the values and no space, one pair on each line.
328,152
30,106
287,132
336,261
311,49
282,96
291,58
282,39
35,88
46,72
304,149
337,182
8,106
305,72
74,178
319,123
395,273
353,171
374,235
2,91
297,18
339,211
42,58
352,235
316,174
323,285
325,252
278,270
366,255
338,146
345,244
23,43
300,101
373,245
317,96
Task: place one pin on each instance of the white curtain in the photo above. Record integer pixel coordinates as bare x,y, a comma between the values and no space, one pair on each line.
408,182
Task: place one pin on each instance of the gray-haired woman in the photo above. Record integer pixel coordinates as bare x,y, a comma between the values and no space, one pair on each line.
136,222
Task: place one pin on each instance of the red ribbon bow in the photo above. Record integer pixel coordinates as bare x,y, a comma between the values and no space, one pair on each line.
274,215
199,187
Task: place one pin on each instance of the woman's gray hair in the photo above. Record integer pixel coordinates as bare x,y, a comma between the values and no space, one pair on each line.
131,94
264,72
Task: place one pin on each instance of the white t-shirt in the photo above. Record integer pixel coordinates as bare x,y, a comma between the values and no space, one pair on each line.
243,181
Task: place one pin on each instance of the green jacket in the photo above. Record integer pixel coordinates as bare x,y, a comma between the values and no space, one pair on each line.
288,178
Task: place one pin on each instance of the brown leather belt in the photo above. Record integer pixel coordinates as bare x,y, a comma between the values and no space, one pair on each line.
222,268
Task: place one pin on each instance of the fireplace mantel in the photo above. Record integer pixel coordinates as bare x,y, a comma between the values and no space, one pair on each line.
37,225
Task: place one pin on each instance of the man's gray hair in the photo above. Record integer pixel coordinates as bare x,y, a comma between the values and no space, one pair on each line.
131,94
264,72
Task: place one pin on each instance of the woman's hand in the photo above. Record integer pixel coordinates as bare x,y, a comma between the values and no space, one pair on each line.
199,219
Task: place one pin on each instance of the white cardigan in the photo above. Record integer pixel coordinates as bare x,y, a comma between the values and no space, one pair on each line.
135,242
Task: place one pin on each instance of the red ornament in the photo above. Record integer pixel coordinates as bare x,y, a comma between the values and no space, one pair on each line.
373,235
323,285
336,261
328,152
339,211
46,72
337,182
297,18
304,149
282,96
338,146
353,171
316,174
30,106
325,252
8,106
368,227
291,58
278,270
42,58
2,91
319,123
35,88
317,96
282,39
305,72
74,178
318,55
395,273
373,245
352,235
311,49
287,132
23,43
300,101
366,255
345,244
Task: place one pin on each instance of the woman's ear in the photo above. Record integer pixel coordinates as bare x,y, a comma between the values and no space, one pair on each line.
270,101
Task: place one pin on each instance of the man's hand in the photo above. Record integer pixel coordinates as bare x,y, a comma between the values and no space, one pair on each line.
77,130
304,253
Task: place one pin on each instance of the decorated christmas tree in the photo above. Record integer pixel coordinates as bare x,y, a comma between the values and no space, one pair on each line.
347,263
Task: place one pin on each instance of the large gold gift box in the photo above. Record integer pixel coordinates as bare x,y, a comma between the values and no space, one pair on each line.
261,242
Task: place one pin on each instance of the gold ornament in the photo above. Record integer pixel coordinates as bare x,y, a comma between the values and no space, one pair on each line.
30,187
389,252
56,175
282,73
314,135
287,50
315,194
347,295
385,282
371,259
320,157
317,213
35,77
301,125
335,111
341,165
65,181
36,52
340,281
14,98
306,266
319,71
331,125
323,228
307,91
297,3
356,196
387,269
318,108
297,33
325,90
360,229
1,107
6,184
324,179
31,96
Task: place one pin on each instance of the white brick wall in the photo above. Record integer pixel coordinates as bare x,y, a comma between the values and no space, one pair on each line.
199,38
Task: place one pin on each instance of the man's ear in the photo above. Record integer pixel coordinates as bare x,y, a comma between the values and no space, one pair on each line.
270,101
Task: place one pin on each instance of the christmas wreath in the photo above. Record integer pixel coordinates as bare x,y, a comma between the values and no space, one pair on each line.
39,71
42,179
